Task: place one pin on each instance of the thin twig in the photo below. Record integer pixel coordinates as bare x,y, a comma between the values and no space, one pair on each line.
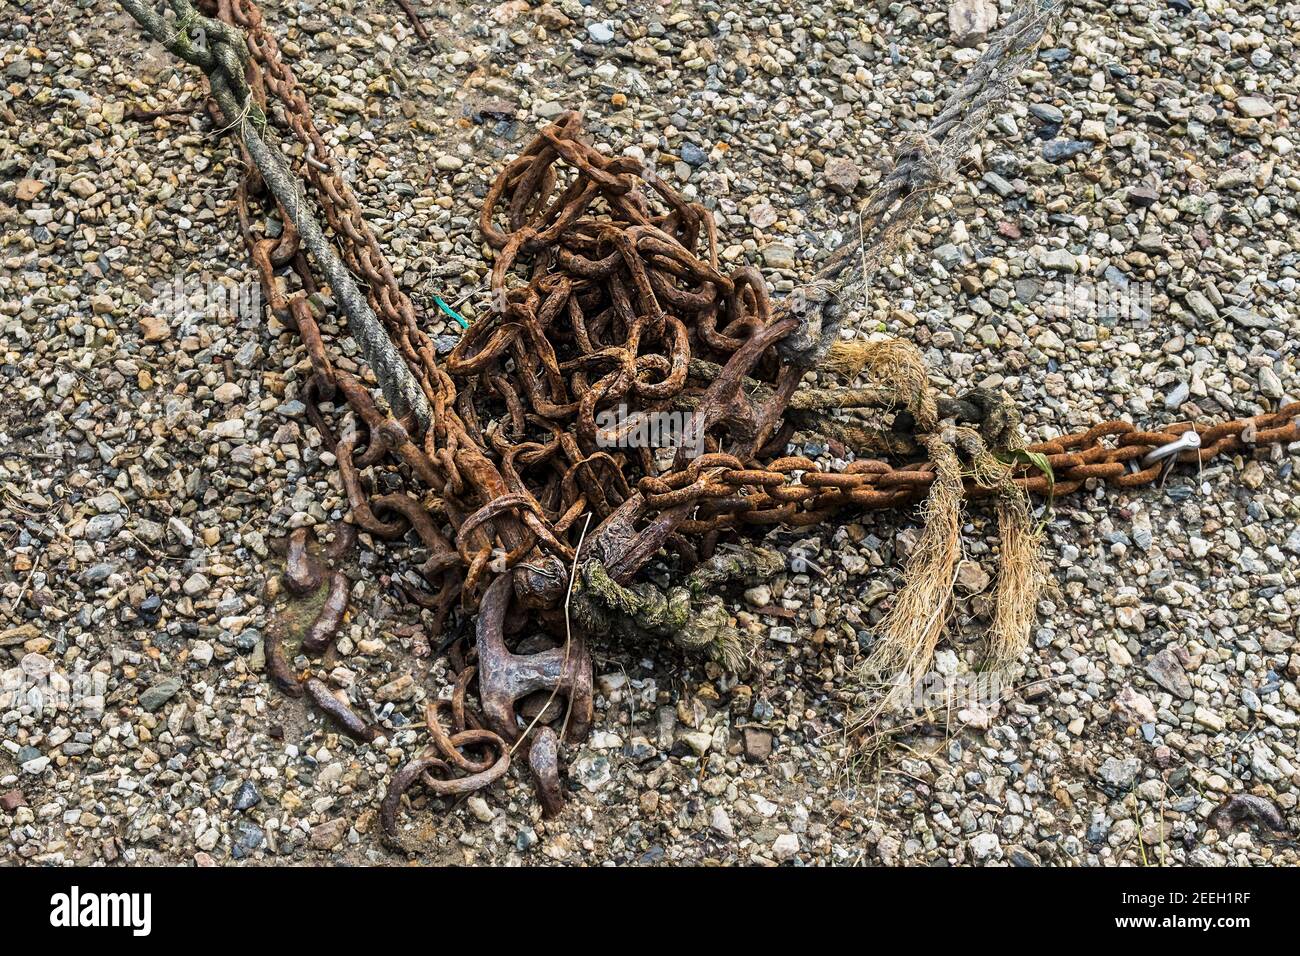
23,593
416,23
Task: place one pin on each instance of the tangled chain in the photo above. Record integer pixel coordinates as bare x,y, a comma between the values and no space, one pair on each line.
620,301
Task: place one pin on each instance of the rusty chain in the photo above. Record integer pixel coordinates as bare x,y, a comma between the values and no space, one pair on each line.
795,491
645,307
449,462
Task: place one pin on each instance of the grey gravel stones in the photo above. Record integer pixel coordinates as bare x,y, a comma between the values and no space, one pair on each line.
1064,150
246,797
1167,670
1120,773
1145,170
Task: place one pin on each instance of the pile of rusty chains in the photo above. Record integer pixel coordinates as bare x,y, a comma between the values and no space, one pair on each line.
618,305
635,295
612,288
471,756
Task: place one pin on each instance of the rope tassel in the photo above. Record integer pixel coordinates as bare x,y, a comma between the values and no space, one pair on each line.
1022,570
1022,576
911,630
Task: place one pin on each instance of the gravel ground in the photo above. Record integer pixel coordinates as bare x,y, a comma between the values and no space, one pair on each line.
146,459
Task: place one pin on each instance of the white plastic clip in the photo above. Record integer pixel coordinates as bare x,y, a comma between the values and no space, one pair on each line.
1187,441
311,158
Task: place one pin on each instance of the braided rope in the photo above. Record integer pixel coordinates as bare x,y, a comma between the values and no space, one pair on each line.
928,159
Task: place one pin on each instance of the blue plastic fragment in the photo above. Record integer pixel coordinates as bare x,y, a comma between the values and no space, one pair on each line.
451,312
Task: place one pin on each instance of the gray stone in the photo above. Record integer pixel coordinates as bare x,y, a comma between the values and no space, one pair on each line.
948,255
1201,306
969,21
692,155
1255,107
160,693
601,32
98,573
246,797
1064,150
591,770
1166,670
720,823
1118,773
984,846
248,839
785,847
698,741
779,255
1047,113
1059,260
102,527
999,185
1270,384
195,584
1143,196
